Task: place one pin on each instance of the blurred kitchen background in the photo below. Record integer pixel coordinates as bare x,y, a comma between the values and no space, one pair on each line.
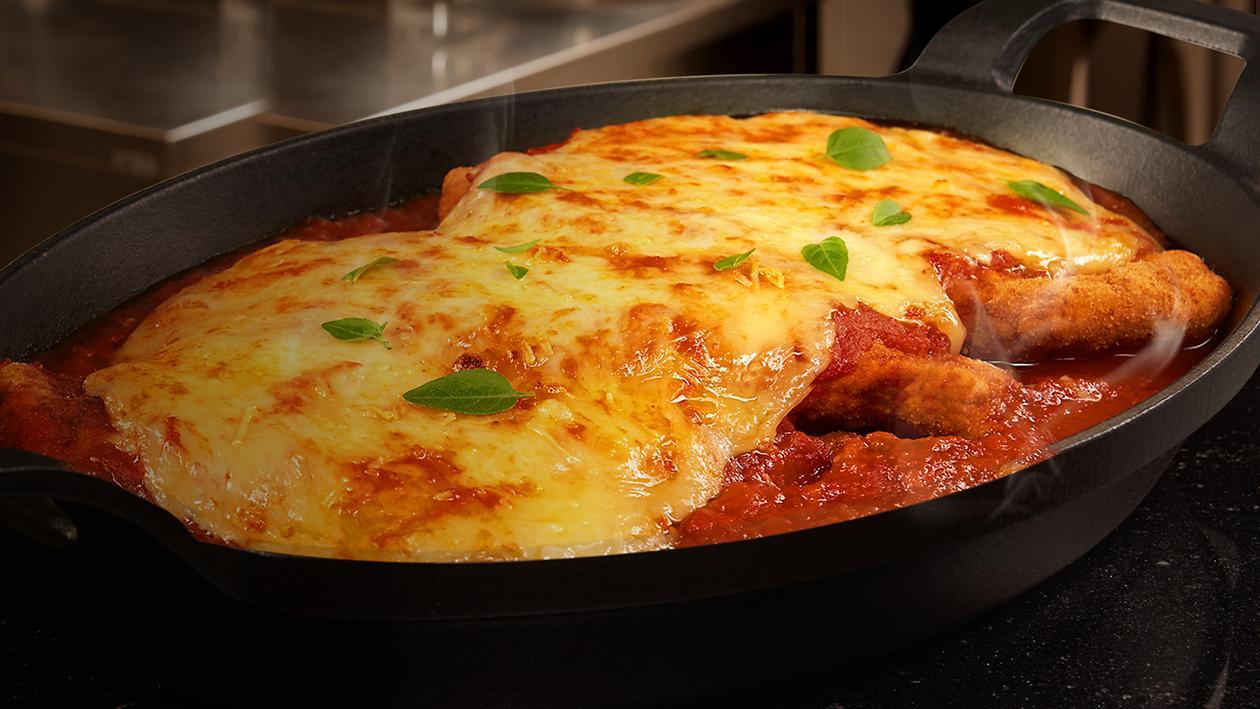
99,98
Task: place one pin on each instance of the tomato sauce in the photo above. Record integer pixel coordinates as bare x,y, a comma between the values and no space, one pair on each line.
800,481
797,480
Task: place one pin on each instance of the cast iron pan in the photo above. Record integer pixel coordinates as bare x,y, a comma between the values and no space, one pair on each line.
651,628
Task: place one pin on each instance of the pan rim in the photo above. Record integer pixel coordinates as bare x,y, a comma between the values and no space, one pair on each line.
1226,350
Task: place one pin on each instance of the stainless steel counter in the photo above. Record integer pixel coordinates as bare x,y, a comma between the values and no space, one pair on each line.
414,55
164,71
101,97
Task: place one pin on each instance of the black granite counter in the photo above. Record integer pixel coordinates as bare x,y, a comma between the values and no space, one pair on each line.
1164,613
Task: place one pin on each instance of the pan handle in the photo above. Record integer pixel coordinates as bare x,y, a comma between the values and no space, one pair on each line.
984,47
40,484
37,518
32,488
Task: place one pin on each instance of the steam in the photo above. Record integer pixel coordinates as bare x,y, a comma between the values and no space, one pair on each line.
1136,369
1155,356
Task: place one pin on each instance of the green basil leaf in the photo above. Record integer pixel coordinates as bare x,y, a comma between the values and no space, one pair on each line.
354,275
1046,197
641,178
518,183
356,329
468,391
887,213
732,261
857,149
830,256
519,248
518,272
721,155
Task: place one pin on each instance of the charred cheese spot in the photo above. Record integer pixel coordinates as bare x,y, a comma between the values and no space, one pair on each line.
649,368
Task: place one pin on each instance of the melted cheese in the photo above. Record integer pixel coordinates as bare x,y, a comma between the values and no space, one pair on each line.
650,368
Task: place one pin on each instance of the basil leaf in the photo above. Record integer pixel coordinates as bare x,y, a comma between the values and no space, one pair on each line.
857,149
354,275
830,256
721,155
732,261
468,391
641,178
887,213
518,272
1046,197
518,183
519,248
356,329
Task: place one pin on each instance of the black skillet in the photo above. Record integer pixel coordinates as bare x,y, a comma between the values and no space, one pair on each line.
649,628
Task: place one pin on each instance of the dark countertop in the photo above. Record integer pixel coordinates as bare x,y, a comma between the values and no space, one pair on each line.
1164,613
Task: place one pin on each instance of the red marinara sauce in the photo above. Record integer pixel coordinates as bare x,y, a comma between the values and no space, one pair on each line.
798,480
